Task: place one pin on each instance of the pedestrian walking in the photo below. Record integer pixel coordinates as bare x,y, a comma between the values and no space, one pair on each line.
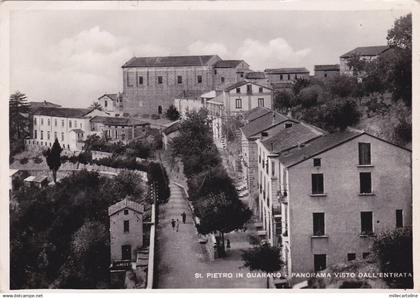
184,217
177,224
173,224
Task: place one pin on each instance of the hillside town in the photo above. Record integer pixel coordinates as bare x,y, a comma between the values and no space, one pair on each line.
202,167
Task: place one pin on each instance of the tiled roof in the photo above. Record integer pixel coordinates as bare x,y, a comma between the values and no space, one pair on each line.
255,75
125,204
190,94
170,61
244,82
317,146
113,96
172,128
39,104
286,70
117,121
227,63
327,67
256,113
281,138
262,123
281,85
61,112
366,51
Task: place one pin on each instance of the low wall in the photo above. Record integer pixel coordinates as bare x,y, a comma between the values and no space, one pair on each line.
151,262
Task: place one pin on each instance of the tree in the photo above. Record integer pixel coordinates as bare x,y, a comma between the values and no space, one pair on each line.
19,122
96,106
172,113
53,158
263,257
299,84
309,96
222,214
394,250
159,181
342,86
283,100
400,68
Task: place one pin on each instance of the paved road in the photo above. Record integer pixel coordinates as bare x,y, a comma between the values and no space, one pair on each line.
181,257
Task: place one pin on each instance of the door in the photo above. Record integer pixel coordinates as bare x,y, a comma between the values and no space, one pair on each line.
126,252
320,262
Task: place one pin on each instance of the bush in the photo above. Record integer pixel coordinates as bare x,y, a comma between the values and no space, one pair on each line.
24,161
394,250
37,160
342,86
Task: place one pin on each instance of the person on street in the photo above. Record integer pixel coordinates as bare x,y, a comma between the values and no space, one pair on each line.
173,224
184,217
177,224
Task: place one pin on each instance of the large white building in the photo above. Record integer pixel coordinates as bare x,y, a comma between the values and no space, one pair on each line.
324,200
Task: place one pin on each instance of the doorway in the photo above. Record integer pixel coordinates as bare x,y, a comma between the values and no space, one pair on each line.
126,252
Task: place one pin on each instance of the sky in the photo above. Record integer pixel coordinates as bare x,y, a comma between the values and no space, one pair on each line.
72,57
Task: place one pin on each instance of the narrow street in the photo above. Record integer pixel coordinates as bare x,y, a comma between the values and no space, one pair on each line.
181,257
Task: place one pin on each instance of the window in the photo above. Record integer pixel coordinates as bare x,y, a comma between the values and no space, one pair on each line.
249,88
317,183
55,122
125,211
239,103
62,136
273,169
281,77
49,122
140,80
288,77
261,102
241,75
126,252
365,183
365,255
160,79
129,84
62,123
364,154
199,79
81,125
366,222
48,135
261,90
42,134
222,79
399,218
126,226
42,121
318,223
325,75
351,256
296,76
320,262
106,103
75,123
238,90
70,123
287,125
179,79
55,135
34,120
35,134
317,162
